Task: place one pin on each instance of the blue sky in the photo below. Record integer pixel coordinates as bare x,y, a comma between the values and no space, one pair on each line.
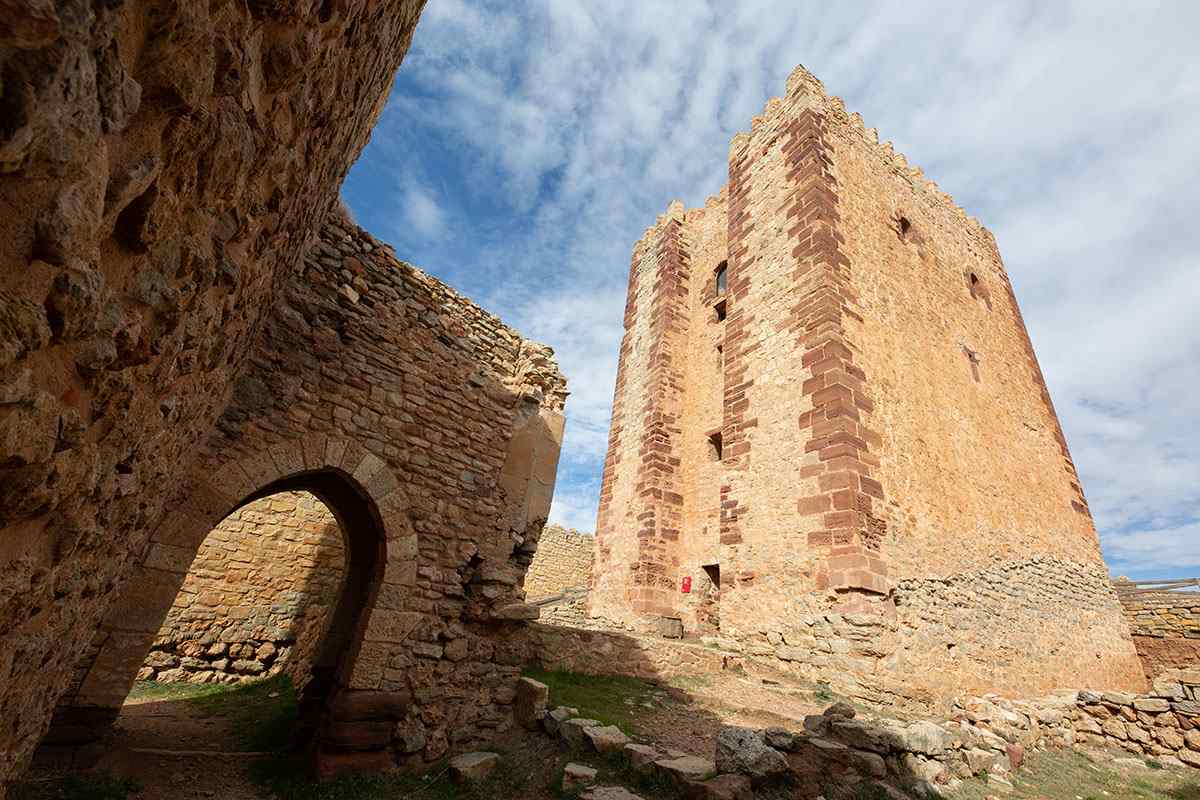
524,151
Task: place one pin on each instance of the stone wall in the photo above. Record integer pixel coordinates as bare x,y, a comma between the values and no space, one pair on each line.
257,598
563,561
184,330
162,168
432,431
1165,628
856,425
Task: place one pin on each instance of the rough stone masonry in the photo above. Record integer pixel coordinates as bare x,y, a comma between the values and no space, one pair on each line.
187,327
831,440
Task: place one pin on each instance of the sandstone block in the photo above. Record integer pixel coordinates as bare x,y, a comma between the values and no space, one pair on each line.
839,710
745,751
473,767
606,739
1189,757
925,738
554,719
1136,733
571,731
1192,738
576,776
1151,705
868,764
640,756
979,760
529,703
1170,738
1016,756
683,769
780,739
1115,728
722,787
1118,698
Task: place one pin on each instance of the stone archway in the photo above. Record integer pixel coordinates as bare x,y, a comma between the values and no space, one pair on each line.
366,500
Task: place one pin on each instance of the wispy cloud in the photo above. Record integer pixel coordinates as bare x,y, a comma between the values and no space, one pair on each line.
559,130
422,212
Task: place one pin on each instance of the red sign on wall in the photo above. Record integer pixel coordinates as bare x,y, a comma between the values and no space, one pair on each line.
686,587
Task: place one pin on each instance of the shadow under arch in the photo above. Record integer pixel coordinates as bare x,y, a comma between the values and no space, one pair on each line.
360,491
365,556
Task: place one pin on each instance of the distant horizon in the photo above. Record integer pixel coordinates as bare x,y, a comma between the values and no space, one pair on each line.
522,153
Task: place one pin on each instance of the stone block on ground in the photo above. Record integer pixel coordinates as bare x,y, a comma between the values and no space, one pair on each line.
641,756
925,738
554,719
576,776
840,710
571,730
780,739
685,768
529,704
606,739
744,751
722,787
473,767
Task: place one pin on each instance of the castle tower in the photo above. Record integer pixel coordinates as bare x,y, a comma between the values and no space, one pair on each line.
831,441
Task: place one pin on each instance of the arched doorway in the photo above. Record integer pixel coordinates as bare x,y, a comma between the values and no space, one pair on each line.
350,490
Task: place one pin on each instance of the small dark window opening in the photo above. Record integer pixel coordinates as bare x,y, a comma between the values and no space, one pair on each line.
720,356
978,290
973,358
721,280
714,446
905,226
713,571
720,309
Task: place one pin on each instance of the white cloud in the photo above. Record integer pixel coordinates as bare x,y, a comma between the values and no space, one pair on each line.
1068,128
422,212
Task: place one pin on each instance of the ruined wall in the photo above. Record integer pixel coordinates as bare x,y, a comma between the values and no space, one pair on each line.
257,598
446,426
162,166
1165,628
891,457
563,561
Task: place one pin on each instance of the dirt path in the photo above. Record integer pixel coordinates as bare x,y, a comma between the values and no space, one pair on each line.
176,725
688,718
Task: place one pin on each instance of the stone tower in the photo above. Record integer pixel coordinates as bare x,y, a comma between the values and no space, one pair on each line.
831,440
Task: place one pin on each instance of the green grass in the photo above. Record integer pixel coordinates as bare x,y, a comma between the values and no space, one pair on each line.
153,690
98,786
262,714
599,697
1067,775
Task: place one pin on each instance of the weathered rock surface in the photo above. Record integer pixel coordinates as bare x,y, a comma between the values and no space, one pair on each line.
577,775
473,767
529,705
571,731
745,751
163,167
606,739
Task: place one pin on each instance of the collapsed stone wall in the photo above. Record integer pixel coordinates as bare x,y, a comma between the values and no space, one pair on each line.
1165,627
257,598
162,167
563,561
